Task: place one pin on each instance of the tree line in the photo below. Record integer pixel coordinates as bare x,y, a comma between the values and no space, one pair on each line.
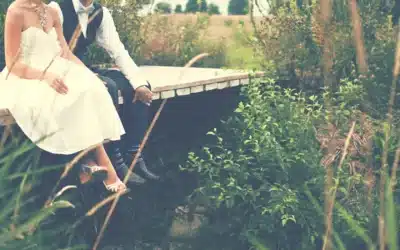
235,7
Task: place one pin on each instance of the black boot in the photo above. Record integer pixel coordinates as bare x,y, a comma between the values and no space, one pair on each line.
141,165
122,168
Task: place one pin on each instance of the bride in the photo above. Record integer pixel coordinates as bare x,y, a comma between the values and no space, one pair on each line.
57,102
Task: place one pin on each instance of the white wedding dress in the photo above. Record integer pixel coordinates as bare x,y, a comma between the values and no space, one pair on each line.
59,124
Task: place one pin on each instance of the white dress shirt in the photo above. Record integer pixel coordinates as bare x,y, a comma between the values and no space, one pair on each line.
107,37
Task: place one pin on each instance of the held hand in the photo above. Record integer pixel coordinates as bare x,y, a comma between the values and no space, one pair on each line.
144,95
64,53
56,83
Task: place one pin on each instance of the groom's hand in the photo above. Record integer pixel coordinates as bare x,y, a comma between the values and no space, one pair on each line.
143,94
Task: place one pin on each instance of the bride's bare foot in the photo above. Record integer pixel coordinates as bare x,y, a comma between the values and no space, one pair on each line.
92,172
112,182
111,178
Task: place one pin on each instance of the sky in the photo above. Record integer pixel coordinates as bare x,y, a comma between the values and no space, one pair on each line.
223,5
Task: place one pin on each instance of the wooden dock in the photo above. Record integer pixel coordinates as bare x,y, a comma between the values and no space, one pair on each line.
169,82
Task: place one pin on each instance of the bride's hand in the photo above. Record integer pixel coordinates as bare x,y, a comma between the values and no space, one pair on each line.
56,83
64,53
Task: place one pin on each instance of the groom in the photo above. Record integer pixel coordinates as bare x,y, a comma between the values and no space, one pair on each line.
129,80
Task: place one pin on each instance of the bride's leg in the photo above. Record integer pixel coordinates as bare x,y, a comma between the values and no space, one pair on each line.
103,160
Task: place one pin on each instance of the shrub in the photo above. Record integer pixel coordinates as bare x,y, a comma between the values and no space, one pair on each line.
262,174
253,175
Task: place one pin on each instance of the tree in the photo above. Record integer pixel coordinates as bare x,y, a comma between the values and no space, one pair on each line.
203,6
213,9
163,8
238,7
193,6
178,8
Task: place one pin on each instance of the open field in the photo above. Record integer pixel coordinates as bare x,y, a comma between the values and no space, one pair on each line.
220,26
225,36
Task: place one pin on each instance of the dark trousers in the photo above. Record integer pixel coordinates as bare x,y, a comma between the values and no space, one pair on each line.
134,116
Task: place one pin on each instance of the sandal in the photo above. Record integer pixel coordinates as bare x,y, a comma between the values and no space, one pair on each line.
115,187
96,173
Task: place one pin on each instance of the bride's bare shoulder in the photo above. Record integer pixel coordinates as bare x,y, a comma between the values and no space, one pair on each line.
15,10
53,11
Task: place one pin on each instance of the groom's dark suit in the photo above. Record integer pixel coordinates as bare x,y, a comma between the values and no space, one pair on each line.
101,31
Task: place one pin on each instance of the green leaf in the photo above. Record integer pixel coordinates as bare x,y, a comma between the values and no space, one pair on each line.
34,221
391,220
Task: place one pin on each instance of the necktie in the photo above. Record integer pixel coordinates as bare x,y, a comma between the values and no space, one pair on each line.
87,10
83,14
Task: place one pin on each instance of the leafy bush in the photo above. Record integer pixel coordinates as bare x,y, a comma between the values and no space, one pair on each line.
253,175
262,175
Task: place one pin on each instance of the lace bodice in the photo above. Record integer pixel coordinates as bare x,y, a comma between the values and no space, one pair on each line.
38,48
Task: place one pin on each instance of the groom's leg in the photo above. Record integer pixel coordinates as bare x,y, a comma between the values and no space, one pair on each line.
112,88
135,118
114,147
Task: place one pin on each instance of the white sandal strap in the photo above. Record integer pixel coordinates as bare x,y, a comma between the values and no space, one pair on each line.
96,168
114,187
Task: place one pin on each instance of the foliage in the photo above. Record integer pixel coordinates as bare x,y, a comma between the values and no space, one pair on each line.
173,44
293,40
261,178
247,176
163,8
266,165
238,7
213,9
193,6
24,221
178,8
241,53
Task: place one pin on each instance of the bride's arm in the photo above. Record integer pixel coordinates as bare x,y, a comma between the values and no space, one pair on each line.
67,53
12,41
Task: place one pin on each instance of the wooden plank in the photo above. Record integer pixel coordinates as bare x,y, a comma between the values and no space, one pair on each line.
223,85
244,81
5,117
184,91
201,82
211,86
167,78
196,89
156,96
167,94
4,112
234,83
